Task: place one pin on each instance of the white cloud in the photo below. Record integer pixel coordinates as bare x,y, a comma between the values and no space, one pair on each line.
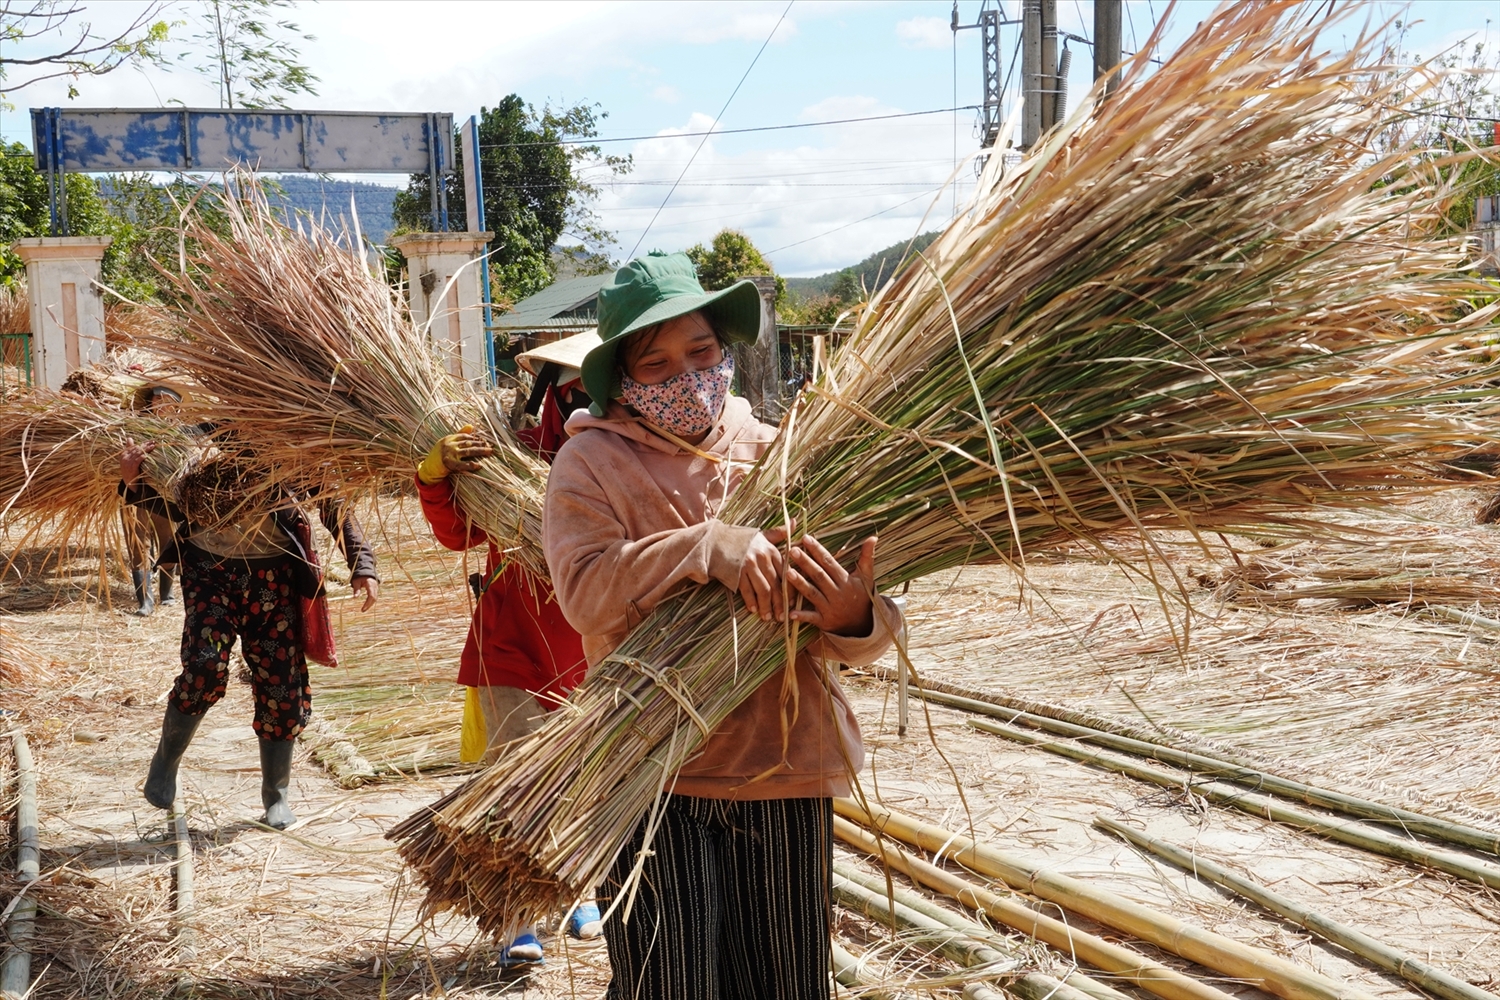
925,33
824,197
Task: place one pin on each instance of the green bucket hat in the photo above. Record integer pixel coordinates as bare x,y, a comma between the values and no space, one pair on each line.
651,290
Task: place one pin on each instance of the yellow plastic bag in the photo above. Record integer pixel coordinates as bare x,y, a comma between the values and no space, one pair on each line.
474,740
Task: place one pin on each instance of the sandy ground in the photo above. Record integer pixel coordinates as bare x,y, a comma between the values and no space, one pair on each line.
324,909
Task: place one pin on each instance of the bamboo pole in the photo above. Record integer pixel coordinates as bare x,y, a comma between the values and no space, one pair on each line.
1128,965
1344,831
182,914
15,973
1212,951
931,909
951,943
1381,955
1457,834
847,973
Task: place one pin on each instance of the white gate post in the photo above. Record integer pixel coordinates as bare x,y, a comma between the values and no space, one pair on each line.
454,307
67,307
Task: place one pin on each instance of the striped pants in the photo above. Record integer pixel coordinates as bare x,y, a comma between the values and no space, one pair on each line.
733,903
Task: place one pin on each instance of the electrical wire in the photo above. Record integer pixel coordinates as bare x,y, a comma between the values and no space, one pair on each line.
856,222
717,119
731,131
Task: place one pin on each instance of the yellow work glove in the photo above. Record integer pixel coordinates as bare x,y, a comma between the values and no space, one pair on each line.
459,452
431,469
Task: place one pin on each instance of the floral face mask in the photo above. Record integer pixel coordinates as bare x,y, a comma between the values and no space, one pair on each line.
685,404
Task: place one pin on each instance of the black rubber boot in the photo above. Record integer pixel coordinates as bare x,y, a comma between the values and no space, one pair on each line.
164,581
275,782
177,732
142,580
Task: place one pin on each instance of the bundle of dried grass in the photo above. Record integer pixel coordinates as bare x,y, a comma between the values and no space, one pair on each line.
15,310
60,461
314,363
1181,312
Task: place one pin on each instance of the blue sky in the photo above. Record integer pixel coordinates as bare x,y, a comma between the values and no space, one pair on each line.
813,198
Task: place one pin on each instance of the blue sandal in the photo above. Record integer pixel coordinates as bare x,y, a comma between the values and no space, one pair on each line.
585,924
524,950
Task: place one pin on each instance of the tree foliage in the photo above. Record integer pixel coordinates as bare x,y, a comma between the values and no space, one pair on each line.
536,197
77,50
25,210
728,258
1459,113
249,53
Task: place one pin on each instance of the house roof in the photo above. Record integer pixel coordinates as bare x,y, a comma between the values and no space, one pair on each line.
564,304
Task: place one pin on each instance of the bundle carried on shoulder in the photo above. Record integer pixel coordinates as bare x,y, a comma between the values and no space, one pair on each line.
1203,306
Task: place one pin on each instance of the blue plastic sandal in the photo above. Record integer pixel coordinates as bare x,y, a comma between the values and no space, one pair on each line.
524,950
585,924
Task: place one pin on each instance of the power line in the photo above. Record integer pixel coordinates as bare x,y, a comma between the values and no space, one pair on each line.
733,131
717,119
855,222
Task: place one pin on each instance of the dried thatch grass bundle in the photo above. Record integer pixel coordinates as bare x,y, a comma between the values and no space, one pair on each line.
15,309
314,362
60,461
1199,308
219,489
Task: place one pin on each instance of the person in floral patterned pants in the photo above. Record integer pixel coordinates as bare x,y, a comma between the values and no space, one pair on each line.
245,573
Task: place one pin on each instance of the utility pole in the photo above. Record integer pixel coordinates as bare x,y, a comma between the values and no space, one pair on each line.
988,23
1107,42
1031,72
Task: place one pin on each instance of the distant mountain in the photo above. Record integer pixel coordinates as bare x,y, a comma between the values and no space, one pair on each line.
314,196
873,270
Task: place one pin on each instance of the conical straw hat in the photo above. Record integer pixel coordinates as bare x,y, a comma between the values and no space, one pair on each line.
567,353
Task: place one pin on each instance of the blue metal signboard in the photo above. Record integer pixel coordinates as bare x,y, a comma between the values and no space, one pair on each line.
180,139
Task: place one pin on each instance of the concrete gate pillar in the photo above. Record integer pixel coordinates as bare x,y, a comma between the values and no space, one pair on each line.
67,306
454,307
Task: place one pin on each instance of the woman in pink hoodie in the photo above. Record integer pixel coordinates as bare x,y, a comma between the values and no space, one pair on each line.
734,900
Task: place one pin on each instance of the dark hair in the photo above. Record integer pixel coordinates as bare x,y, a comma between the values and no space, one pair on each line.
641,340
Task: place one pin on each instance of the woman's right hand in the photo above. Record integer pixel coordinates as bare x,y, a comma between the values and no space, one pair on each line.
760,576
131,457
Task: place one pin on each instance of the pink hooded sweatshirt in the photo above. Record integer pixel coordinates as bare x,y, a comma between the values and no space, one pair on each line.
630,519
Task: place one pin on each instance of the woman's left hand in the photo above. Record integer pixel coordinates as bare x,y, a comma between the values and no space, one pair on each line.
840,599
367,585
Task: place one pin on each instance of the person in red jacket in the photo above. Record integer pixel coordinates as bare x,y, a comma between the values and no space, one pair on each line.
521,657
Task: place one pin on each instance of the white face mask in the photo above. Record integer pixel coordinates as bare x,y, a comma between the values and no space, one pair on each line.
686,404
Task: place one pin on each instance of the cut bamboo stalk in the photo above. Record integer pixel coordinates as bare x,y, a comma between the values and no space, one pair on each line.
846,972
15,973
952,943
1344,831
1463,617
1128,965
182,914
1449,832
933,910
1378,953
1212,951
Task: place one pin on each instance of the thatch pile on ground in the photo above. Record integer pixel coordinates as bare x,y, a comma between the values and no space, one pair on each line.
1178,313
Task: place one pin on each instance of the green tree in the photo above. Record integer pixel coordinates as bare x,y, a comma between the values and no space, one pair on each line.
46,39
25,211
250,55
536,198
141,217
730,257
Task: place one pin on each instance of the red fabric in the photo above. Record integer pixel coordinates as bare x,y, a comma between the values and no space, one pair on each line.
518,636
548,435
314,622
